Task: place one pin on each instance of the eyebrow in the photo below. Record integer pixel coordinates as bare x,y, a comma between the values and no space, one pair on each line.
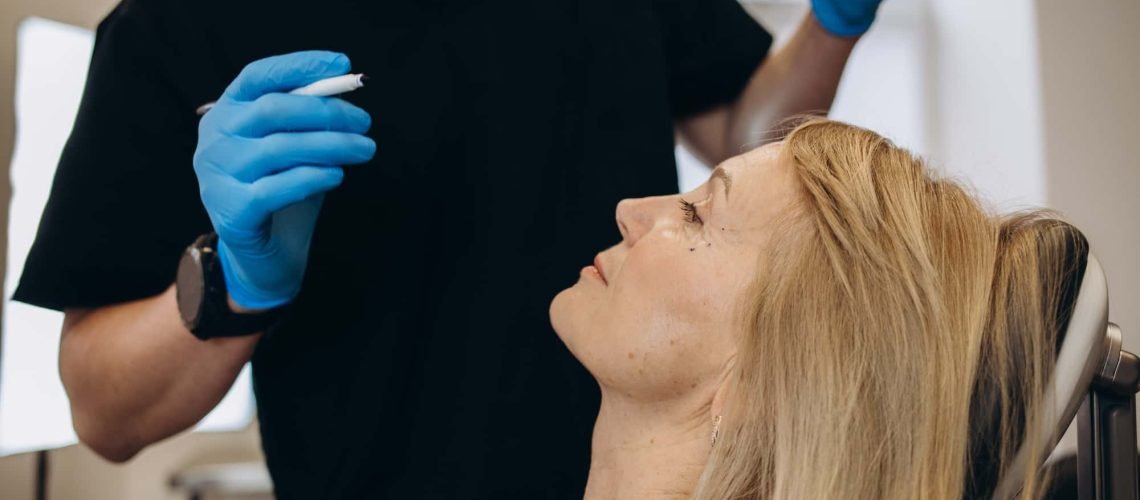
719,173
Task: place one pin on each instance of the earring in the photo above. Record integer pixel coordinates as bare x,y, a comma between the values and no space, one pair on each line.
716,428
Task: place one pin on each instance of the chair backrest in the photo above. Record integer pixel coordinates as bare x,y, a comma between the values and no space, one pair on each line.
1083,353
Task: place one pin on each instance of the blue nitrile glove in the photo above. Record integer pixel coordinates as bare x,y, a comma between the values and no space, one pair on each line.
265,160
845,17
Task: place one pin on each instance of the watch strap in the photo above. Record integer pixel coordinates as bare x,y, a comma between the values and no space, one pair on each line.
215,317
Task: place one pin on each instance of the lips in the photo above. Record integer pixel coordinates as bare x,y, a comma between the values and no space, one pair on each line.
598,266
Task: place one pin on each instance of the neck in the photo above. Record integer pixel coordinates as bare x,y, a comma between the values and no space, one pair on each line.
645,451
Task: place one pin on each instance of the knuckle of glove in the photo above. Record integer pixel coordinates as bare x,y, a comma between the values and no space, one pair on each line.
268,107
270,148
257,197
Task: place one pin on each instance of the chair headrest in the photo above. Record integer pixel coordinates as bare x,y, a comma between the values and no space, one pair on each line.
1084,350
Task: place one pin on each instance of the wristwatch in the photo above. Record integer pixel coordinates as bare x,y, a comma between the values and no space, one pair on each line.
203,300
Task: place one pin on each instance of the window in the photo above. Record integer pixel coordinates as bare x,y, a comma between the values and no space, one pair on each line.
51,69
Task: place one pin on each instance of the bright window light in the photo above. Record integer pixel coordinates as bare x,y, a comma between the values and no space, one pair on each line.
51,68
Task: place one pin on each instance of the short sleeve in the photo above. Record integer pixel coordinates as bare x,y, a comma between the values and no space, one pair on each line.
712,47
124,201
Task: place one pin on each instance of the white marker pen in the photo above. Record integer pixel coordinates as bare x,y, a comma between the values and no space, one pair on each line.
321,88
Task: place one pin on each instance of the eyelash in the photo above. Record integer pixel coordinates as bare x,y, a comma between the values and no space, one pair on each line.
690,211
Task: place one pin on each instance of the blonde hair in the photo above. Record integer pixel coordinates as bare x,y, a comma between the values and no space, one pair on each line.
897,337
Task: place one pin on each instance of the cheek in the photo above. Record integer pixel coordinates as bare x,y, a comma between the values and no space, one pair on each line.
668,290
662,328
659,334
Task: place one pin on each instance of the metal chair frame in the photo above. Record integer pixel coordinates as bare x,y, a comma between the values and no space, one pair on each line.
1106,427
1096,382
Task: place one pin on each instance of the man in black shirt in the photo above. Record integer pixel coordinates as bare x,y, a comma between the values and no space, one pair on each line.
417,359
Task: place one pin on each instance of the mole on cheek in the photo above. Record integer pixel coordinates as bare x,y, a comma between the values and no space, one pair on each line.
630,355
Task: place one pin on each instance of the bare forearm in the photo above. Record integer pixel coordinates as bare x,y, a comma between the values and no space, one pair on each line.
135,375
801,77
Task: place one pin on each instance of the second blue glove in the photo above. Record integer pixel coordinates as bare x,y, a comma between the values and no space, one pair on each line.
845,17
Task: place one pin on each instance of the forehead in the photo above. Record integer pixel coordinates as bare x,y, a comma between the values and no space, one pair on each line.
758,157
763,184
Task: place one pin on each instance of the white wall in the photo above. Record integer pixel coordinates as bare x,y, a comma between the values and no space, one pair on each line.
983,97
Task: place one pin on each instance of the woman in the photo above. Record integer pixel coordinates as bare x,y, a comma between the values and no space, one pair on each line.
821,319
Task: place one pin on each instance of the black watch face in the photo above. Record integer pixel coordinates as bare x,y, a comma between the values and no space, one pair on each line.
190,287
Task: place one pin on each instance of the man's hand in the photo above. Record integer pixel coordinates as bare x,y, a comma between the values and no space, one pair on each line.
845,17
265,160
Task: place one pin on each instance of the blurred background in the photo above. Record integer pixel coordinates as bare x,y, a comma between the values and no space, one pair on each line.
1033,103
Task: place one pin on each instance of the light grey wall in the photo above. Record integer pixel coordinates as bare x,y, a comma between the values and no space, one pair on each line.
1090,96
1090,104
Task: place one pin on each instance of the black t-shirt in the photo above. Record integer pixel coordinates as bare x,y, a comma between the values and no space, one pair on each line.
418,361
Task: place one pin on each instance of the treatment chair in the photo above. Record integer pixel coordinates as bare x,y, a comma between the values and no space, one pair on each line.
1096,382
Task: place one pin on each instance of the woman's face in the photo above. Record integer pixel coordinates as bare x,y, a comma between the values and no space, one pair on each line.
655,317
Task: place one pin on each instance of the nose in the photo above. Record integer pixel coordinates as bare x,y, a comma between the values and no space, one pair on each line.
635,218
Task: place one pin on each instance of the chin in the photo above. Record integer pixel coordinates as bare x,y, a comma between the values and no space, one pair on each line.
568,311
560,310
